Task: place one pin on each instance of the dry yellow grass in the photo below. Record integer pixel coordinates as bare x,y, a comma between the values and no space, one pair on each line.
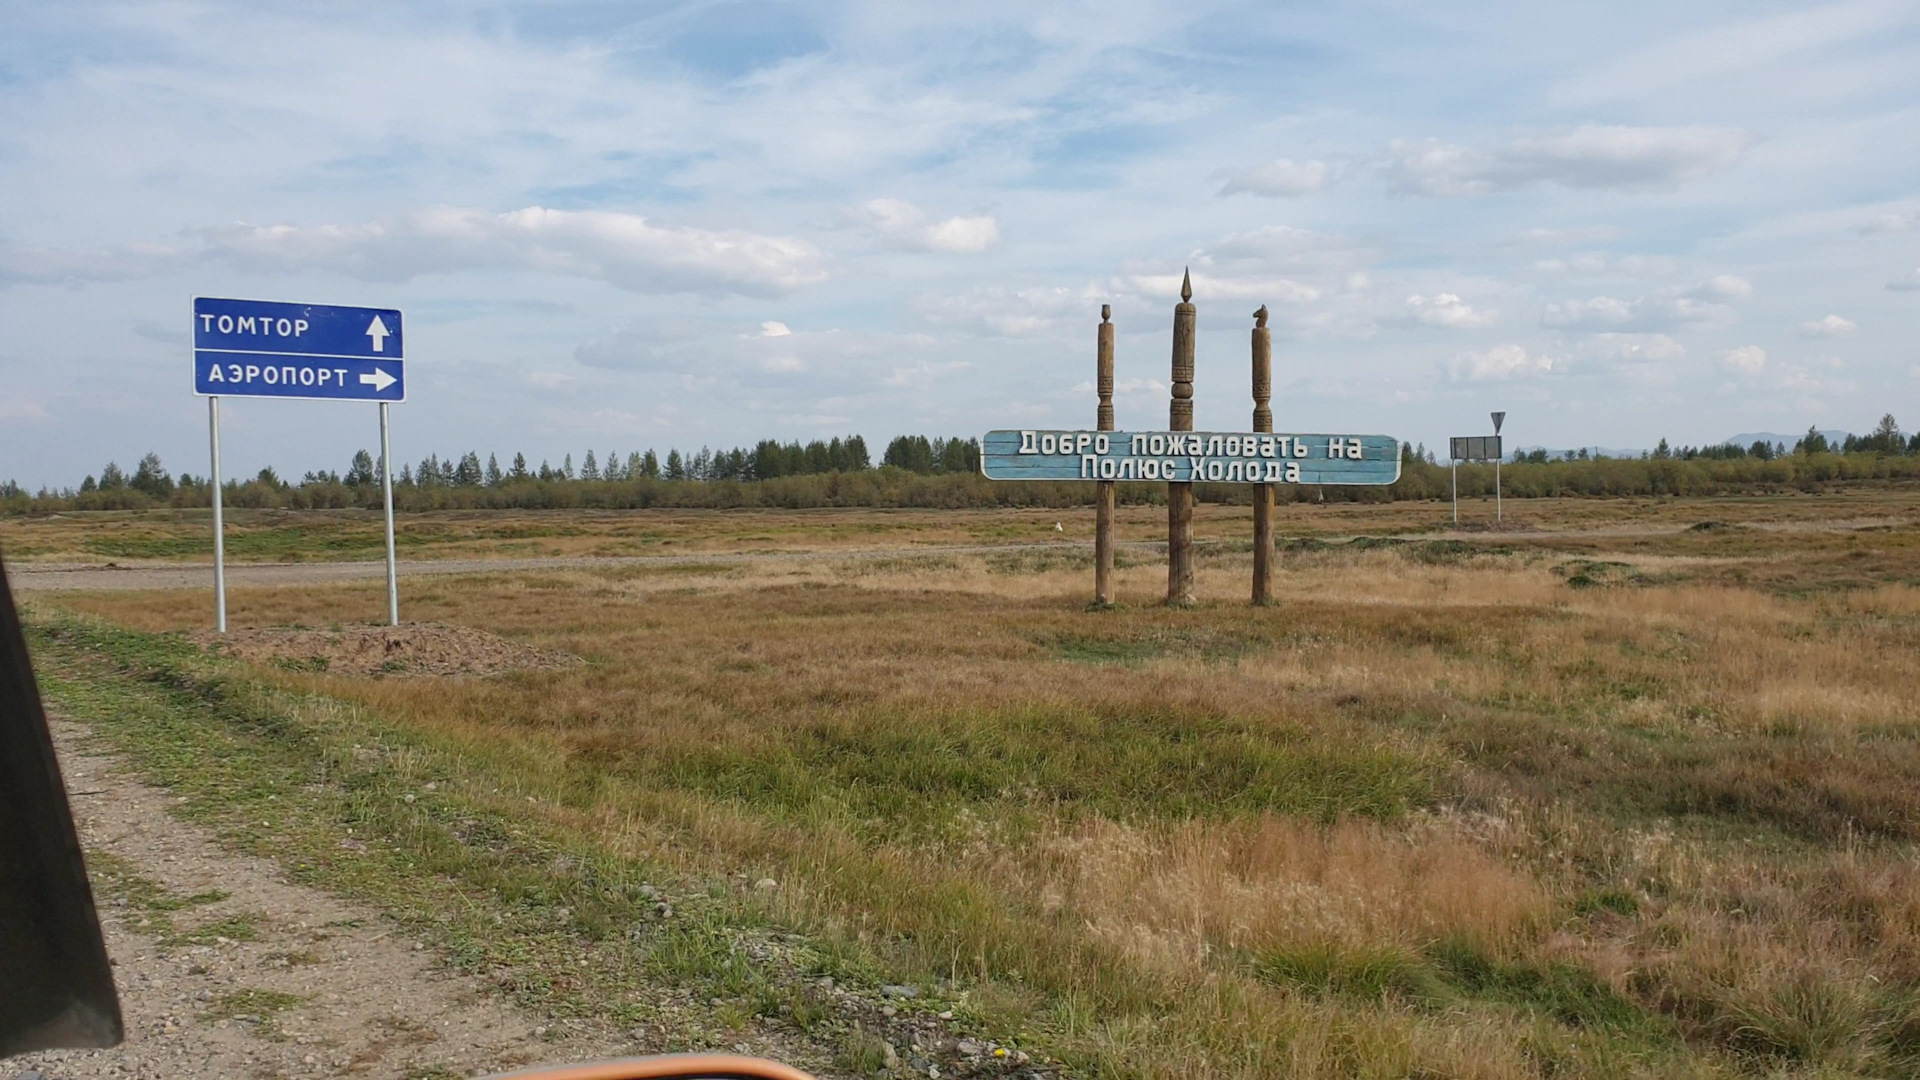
1439,812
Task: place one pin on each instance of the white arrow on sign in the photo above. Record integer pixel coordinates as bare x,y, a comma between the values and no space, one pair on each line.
377,330
379,380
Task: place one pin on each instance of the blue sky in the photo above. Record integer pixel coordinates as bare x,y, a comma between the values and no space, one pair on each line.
623,225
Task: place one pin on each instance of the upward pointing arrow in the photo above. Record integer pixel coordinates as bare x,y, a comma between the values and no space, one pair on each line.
377,330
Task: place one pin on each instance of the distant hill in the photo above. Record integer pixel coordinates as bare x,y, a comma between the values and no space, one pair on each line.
1592,451
1751,437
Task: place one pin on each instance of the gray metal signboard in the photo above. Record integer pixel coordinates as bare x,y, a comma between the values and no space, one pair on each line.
1475,448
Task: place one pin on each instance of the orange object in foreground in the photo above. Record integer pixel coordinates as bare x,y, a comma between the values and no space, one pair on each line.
667,1067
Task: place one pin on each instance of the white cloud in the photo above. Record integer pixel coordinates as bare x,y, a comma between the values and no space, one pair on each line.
1499,362
623,250
1586,234
1831,326
1703,305
1763,44
1282,178
21,409
1001,312
774,329
1266,288
1745,360
1592,156
1650,359
1890,223
1596,263
1723,287
1446,310
1633,349
1273,242
900,224
923,374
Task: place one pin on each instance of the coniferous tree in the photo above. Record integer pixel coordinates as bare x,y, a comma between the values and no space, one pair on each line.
767,462
1812,442
1885,439
910,452
111,478
612,470
469,474
590,468
494,476
650,466
857,459
546,471
88,484
566,468
519,466
676,468
636,466
150,478
360,471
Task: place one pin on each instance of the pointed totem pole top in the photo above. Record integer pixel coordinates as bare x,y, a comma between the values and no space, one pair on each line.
1186,286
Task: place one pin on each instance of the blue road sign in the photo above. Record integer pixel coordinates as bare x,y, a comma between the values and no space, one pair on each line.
1190,457
263,348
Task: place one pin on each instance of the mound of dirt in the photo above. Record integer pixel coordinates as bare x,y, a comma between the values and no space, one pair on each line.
412,649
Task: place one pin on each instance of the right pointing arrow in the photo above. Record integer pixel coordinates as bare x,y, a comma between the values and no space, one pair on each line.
379,380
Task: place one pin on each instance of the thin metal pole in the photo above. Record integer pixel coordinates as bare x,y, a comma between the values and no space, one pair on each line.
1456,490
386,491
1497,515
219,537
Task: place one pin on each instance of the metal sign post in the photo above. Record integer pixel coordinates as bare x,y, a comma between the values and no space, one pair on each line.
219,534
1498,516
266,348
1482,448
386,497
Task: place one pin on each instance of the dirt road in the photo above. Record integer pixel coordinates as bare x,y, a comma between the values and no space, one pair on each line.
225,969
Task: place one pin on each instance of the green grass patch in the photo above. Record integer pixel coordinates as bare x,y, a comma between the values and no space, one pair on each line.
889,776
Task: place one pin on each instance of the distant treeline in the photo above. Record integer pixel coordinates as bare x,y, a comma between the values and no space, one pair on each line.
944,473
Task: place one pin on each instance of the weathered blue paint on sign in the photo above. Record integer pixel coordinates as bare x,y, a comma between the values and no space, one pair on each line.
1190,457
266,348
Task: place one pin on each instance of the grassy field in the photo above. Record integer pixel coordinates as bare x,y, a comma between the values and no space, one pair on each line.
164,536
1628,790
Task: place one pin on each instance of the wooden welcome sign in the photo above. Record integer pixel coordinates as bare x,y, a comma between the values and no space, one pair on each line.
1182,457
